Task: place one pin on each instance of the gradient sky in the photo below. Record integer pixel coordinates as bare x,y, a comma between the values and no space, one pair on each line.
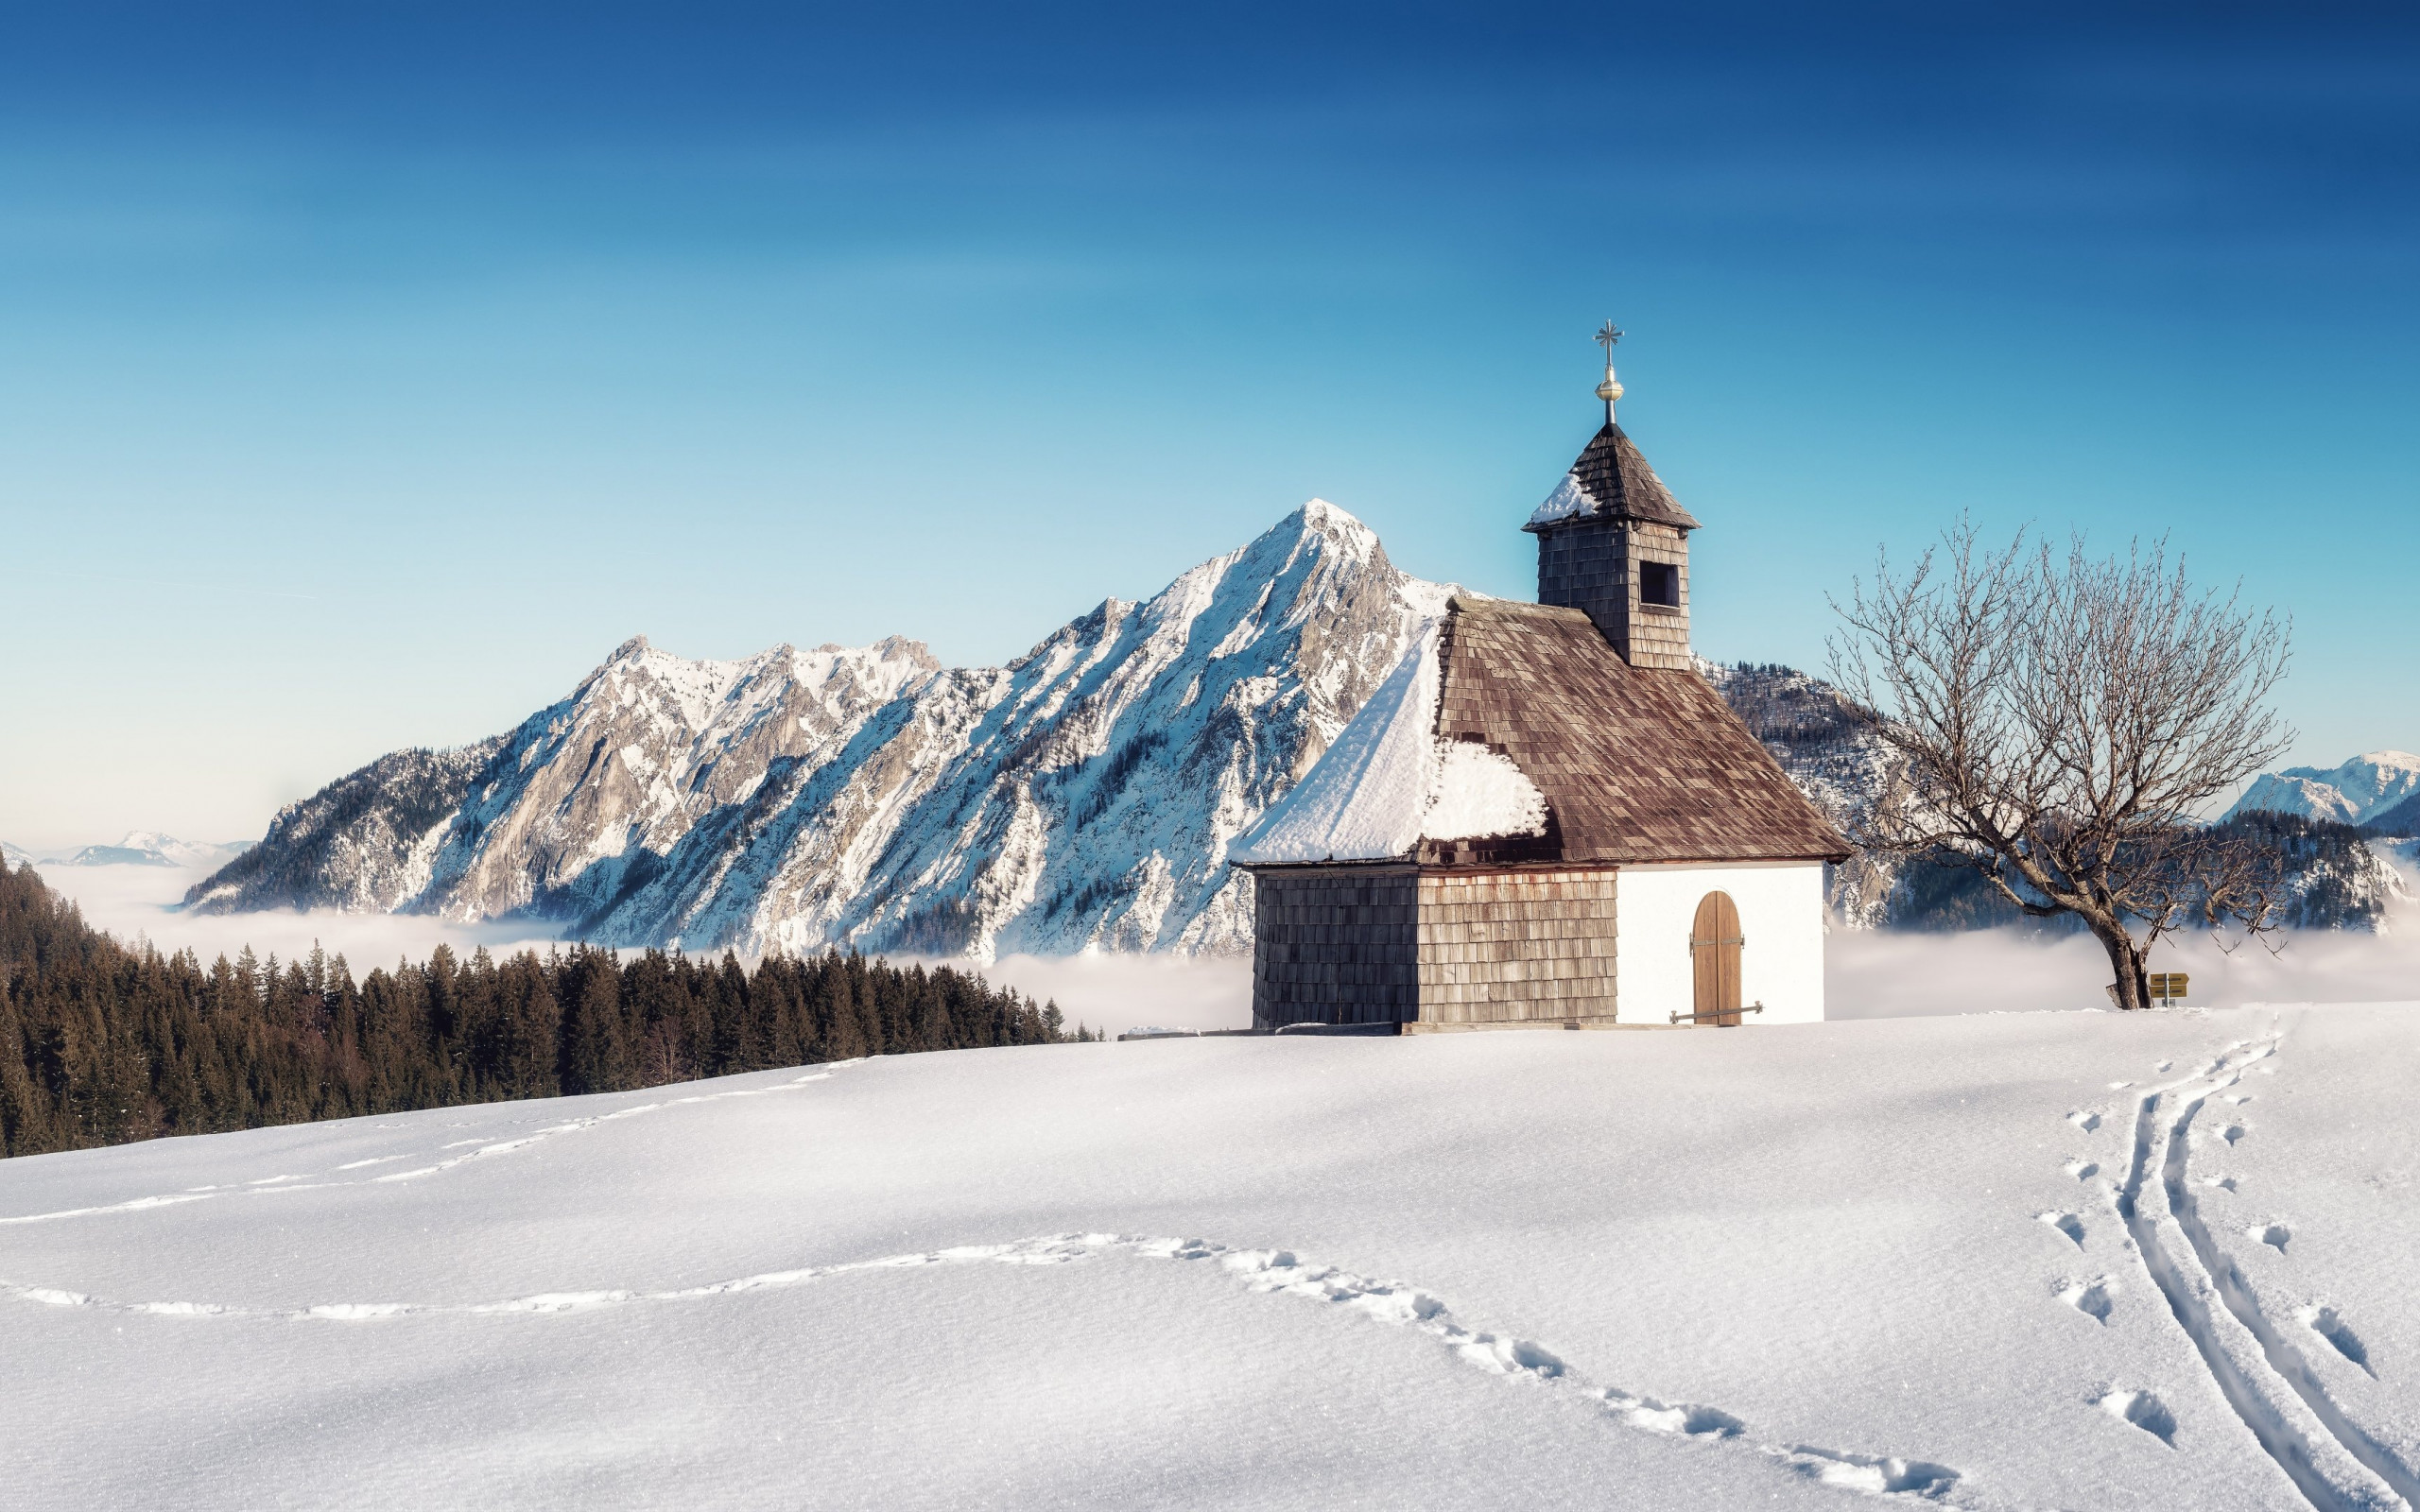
368,373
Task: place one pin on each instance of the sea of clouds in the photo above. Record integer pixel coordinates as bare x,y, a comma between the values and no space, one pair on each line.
1868,976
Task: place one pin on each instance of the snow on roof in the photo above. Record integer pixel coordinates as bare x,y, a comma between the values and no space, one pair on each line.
1481,793
1388,784
1362,800
1568,499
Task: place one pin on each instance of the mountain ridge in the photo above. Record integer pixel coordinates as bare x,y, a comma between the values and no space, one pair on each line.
1082,796
2358,791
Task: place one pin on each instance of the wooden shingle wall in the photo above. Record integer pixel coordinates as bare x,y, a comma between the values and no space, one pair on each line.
1658,637
1510,946
1591,566
1586,566
1335,945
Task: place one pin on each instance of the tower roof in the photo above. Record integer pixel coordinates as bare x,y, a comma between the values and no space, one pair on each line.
1611,481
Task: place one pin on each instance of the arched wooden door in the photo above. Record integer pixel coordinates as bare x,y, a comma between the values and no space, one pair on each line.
1714,957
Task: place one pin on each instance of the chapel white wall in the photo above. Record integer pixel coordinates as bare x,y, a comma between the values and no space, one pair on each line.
1781,917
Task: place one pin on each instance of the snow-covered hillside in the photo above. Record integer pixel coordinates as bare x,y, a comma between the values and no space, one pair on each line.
2017,1261
1082,795
2358,792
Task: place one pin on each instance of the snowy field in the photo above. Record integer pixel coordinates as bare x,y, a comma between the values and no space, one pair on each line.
2069,1261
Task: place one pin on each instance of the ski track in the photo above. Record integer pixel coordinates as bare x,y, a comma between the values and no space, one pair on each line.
272,1186
1275,1271
2334,1464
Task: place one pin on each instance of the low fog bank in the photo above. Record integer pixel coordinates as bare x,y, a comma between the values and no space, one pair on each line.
2001,970
1114,991
1867,975
1122,992
140,903
1871,976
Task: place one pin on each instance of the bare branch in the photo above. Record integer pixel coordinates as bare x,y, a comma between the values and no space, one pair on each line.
2063,721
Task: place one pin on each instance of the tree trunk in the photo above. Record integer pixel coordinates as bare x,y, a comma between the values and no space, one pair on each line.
2132,988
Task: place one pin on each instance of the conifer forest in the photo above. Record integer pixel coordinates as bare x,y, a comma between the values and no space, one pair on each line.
101,1043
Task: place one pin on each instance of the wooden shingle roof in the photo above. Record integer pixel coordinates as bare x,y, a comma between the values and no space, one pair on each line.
1636,765
1613,482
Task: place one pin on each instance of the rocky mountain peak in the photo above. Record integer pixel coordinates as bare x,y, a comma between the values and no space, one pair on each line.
1084,795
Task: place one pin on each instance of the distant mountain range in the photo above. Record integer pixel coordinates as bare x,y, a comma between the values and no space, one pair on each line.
138,848
1081,797
2380,790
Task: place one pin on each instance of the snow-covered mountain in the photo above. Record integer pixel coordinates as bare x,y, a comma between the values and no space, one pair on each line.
2358,792
12,856
549,819
1082,795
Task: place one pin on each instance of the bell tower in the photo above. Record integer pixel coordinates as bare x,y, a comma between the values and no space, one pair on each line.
1614,543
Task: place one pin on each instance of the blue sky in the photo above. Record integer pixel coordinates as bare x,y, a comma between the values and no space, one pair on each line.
368,373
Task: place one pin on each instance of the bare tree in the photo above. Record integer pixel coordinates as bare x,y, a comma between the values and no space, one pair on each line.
2063,725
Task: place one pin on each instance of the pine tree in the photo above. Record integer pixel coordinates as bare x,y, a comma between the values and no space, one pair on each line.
597,1054
101,1042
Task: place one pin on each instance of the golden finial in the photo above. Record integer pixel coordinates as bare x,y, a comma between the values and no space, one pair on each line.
1611,390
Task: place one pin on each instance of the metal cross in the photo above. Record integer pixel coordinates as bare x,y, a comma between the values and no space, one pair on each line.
1606,338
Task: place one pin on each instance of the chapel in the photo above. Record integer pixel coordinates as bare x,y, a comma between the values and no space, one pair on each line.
1546,816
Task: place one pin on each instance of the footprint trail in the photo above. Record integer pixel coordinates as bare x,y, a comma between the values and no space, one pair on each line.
1279,1272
